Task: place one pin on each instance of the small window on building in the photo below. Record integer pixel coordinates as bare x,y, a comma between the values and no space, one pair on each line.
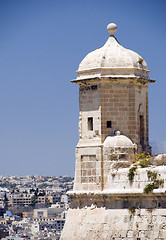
90,124
109,124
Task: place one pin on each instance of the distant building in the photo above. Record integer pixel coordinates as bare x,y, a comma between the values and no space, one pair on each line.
56,225
47,214
54,198
4,231
2,208
3,221
21,199
41,199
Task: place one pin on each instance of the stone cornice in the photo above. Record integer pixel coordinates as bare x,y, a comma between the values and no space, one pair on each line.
114,79
118,194
112,68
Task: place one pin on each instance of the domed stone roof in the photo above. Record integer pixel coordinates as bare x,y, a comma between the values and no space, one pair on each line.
118,141
112,60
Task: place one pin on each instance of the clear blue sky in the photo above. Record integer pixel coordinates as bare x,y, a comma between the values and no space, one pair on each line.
42,43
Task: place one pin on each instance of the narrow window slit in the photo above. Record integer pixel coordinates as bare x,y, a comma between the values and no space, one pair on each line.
90,124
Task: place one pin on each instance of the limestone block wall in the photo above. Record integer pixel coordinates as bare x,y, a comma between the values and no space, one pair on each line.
121,211
123,104
89,104
113,158
88,169
116,218
114,108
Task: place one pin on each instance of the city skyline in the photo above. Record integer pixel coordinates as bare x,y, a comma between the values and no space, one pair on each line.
41,46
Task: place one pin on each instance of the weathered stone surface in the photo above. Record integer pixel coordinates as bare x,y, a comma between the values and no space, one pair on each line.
104,216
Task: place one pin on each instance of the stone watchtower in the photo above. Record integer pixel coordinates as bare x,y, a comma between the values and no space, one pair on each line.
113,98
113,95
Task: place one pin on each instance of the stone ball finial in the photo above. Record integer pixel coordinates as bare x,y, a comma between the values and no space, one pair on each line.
117,133
112,27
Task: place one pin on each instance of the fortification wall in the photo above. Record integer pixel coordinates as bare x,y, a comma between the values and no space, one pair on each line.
123,211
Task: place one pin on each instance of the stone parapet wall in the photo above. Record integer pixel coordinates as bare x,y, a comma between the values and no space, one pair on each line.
121,211
119,180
